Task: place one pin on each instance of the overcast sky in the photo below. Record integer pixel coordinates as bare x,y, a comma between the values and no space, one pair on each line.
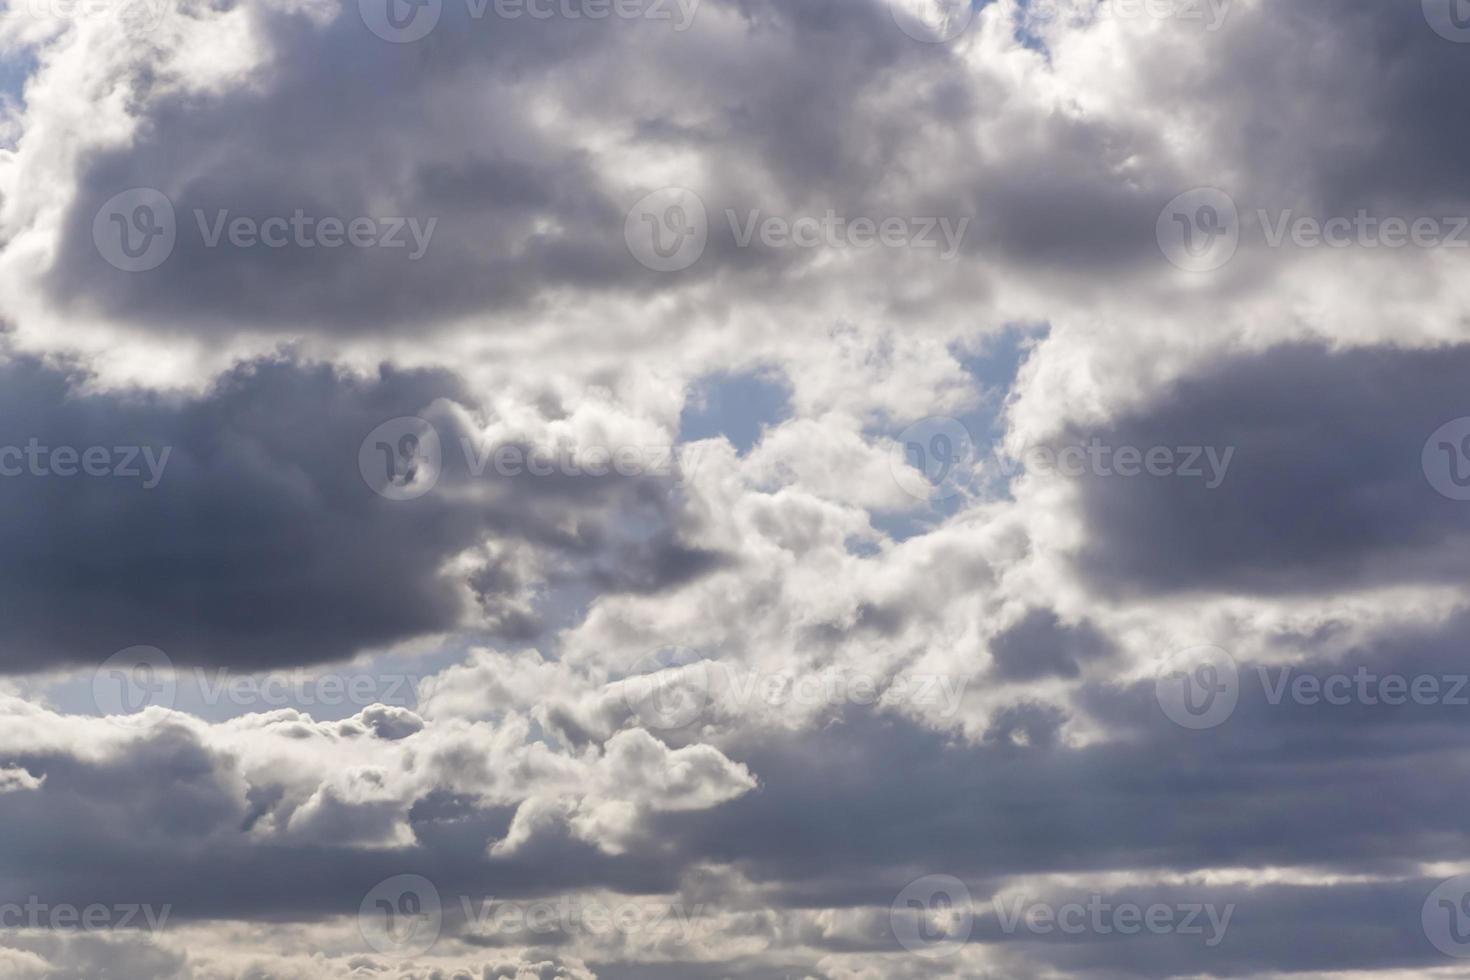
734,489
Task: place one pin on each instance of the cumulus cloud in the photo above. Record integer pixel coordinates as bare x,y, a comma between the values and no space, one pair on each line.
742,599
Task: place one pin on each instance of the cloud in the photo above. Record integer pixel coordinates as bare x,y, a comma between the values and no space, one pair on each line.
256,541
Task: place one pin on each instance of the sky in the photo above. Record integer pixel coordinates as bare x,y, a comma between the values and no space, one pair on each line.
734,489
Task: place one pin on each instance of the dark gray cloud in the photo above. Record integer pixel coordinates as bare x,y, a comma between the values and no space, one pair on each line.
262,544
1374,788
1326,489
1039,645
1373,120
520,212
